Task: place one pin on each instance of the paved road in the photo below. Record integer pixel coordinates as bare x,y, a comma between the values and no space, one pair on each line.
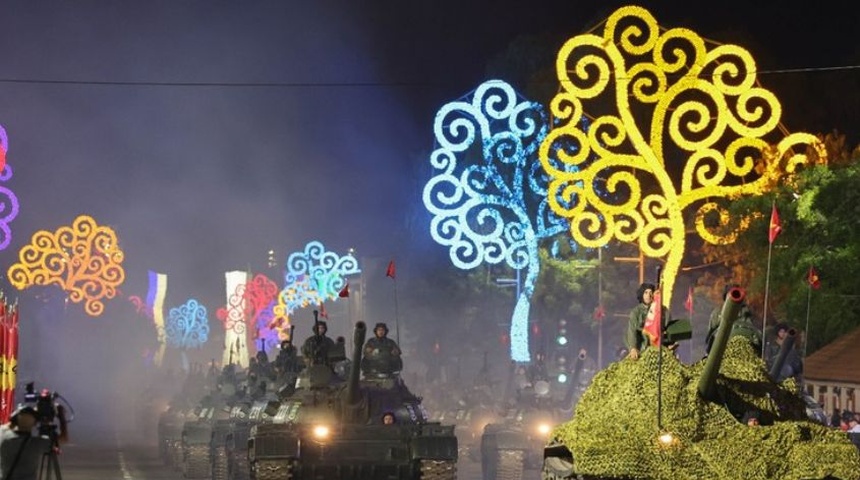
121,458
117,462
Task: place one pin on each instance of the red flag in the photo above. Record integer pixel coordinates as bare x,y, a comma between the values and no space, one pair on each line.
344,292
323,313
599,313
775,226
688,304
391,271
812,278
654,322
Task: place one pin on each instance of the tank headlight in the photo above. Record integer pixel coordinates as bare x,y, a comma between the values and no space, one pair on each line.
668,440
544,428
321,432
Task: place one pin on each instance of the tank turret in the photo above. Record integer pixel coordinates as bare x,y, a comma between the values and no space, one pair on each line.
728,314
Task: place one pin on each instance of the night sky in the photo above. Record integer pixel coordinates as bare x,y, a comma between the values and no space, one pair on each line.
201,179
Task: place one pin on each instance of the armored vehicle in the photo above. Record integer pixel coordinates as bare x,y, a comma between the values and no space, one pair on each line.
655,418
170,434
195,444
229,445
532,406
332,427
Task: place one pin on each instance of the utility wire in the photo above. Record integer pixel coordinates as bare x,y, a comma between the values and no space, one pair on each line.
44,81
40,81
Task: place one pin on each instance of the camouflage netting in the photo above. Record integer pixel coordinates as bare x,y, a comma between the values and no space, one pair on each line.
614,430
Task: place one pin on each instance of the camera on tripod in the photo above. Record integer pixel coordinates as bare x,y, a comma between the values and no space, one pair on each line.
43,402
49,414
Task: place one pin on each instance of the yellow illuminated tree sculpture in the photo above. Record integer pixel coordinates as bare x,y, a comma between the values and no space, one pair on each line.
83,259
676,131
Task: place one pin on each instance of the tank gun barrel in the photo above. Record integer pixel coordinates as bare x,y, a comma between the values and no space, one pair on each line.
784,349
355,370
731,307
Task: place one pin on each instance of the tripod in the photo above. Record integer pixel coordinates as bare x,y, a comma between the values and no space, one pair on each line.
50,466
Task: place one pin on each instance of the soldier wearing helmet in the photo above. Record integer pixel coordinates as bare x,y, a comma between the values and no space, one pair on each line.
381,354
316,347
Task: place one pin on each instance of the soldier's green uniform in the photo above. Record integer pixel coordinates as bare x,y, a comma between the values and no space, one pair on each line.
381,354
742,326
634,337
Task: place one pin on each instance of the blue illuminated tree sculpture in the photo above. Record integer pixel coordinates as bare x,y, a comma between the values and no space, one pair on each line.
312,277
488,193
187,325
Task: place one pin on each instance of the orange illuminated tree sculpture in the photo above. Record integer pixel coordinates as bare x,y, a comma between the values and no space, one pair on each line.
676,130
83,259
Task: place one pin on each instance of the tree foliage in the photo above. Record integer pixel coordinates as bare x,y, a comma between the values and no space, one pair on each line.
818,211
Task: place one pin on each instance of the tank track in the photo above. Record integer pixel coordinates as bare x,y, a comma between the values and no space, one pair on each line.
509,464
438,470
197,462
238,468
219,463
175,453
273,470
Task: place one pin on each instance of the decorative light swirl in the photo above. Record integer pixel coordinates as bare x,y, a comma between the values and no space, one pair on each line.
725,230
140,306
471,209
4,147
299,295
187,325
260,293
493,208
255,296
232,316
313,276
707,103
8,200
84,260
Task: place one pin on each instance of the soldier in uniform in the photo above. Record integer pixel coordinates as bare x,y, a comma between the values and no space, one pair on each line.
793,366
316,347
286,361
635,340
381,354
743,325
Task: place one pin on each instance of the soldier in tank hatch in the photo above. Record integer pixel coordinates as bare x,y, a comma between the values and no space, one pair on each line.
316,347
381,354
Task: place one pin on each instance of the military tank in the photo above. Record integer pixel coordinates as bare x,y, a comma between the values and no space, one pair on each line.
513,441
196,438
229,445
469,410
170,433
625,427
332,428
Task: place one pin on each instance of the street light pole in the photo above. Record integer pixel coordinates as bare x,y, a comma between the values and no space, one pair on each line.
600,306
640,260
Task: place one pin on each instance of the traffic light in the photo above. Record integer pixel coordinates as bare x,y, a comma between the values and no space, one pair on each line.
561,338
561,363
